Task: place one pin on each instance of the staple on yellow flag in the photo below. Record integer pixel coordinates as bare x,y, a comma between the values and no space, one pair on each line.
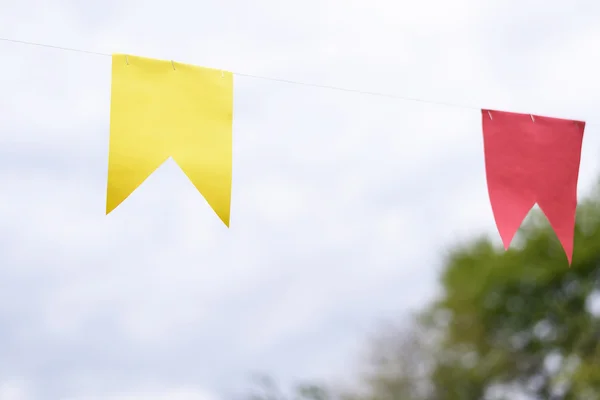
161,109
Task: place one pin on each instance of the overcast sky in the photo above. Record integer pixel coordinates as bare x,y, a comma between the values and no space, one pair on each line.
342,203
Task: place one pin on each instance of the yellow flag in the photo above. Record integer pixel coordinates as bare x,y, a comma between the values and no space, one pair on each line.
161,109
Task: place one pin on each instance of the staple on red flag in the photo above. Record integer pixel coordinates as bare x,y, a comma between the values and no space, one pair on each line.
532,159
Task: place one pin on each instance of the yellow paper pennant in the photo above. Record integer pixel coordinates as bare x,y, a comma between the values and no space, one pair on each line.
161,109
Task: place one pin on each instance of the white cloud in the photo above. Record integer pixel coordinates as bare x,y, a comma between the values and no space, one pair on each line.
14,389
341,201
174,394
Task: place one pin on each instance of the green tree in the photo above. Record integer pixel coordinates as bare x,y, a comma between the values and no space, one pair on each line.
506,323
396,365
521,319
265,388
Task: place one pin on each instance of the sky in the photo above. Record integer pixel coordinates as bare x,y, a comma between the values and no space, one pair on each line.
343,203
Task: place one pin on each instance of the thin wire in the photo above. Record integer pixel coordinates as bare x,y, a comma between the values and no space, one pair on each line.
267,78
291,82
378,94
54,47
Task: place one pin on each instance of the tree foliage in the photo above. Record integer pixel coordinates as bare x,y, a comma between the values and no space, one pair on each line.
521,319
520,322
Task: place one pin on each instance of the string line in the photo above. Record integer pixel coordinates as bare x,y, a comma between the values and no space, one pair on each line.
267,78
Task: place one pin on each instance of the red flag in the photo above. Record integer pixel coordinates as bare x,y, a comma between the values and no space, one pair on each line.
532,159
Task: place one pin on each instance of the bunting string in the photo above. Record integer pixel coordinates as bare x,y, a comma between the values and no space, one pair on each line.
165,109
287,81
267,78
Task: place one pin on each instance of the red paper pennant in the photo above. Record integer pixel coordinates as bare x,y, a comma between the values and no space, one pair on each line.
532,159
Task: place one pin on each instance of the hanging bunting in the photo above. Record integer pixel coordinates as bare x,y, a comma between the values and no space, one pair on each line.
161,109
532,159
